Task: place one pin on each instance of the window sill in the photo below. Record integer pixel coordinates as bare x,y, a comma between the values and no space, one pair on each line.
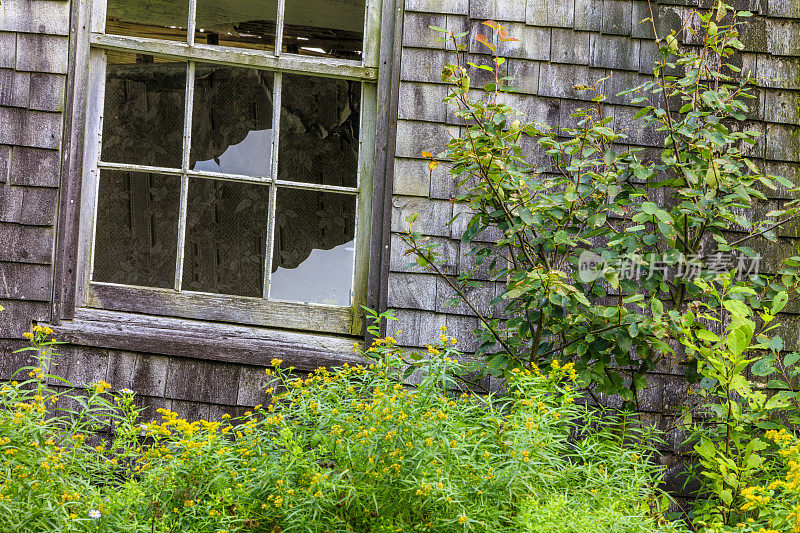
204,340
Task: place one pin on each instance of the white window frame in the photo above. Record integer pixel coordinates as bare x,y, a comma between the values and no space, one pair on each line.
179,303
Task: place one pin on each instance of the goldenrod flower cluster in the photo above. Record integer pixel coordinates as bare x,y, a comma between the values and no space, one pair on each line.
777,502
355,448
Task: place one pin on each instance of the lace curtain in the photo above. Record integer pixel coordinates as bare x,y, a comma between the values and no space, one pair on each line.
227,222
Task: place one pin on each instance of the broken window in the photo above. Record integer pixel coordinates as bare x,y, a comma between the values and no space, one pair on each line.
231,170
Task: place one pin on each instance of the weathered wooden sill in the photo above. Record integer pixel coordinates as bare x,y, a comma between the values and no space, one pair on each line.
204,340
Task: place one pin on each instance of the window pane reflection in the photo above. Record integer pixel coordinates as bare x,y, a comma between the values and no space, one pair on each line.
314,247
330,28
232,120
137,229
226,235
158,19
319,130
143,113
237,23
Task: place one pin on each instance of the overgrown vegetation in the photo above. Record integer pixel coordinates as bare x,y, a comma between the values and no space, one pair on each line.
604,247
351,449
620,259
615,260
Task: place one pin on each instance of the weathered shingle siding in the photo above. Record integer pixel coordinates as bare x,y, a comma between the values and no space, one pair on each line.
563,43
34,45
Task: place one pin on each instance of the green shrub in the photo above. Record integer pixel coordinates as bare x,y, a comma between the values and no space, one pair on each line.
597,242
350,449
771,502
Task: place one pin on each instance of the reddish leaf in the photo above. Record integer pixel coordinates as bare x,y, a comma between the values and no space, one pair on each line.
484,41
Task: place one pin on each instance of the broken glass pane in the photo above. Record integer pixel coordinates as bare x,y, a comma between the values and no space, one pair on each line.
232,120
155,19
237,23
226,237
143,114
319,130
314,247
325,28
136,239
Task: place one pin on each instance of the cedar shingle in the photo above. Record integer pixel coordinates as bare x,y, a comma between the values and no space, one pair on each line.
783,142
18,316
432,219
8,49
5,161
667,19
558,80
14,88
413,291
588,15
415,137
399,262
253,381
34,166
457,7
779,72
783,37
617,17
782,107
419,64
783,8
80,365
47,91
494,10
39,16
412,178
550,13
414,327
19,281
524,75
417,32
569,46
202,381
614,52
422,101
28,205
42,53
142,373
30,128
26,244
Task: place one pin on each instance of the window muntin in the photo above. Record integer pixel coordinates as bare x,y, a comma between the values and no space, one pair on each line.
219,171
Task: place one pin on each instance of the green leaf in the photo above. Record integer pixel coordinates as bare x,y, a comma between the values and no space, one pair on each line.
663,216
777,384
737,308
597,220
706,335
726,496
561,237
525,215
657,308
650,208
791,359
779,302
738,340
763,367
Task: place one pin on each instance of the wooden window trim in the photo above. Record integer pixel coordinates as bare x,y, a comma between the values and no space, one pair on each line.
72,319
232,343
